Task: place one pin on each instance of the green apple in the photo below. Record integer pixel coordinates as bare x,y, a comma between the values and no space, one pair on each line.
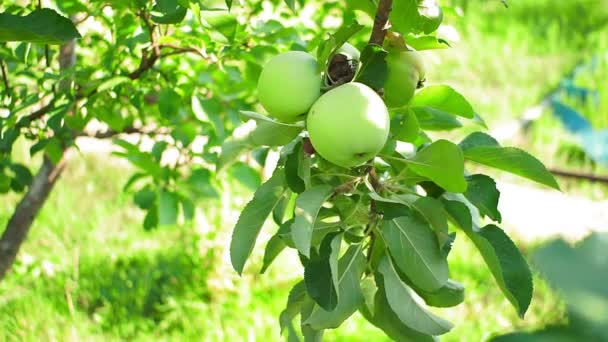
405,72
289,84
432,14
348,125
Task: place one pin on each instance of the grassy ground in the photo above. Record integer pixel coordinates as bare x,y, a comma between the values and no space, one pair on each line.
90,272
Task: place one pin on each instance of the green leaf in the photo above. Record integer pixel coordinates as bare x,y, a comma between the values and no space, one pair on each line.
246,175
405,126
271,134
23,176
293,164
432,119
321,273
252,218
443,163
291,4
200,183
144,198
312,335
308,205
369,289
504,260
284,209
415,16
420,43
274,247
188,208
476,139
432,211
111,83
374,69
483,194
151,219
199,110
400,299
578,273
548,334
222,25
350,268
384,318
482,149
43,26
449,295
167,208
295,301
174,16
329,46
232,148
415,249
445,99
169,102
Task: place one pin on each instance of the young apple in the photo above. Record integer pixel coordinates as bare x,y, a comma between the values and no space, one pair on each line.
405,72
289,84
348,125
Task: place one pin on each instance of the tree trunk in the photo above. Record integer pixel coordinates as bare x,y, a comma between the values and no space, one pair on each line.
19,224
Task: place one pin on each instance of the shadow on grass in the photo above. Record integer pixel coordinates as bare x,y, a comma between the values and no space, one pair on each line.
130,296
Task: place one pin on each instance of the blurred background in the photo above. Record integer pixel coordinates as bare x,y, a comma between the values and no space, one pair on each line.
536,72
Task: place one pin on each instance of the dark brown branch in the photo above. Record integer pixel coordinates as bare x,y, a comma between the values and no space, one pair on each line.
7,85
111,133
25,121
579,175
175,50
381,22
147,61
19,224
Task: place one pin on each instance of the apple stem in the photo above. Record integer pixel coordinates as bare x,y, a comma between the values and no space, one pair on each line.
381,22
307,146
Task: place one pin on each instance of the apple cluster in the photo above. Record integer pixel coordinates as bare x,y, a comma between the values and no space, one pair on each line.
349,124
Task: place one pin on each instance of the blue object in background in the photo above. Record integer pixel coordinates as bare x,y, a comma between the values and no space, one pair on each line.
573,120
581,94
595,144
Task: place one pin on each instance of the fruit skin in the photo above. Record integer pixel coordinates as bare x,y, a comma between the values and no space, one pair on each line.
433,14
348,125
405,71
289,84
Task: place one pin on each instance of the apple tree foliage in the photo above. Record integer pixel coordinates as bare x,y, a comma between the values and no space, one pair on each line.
373,238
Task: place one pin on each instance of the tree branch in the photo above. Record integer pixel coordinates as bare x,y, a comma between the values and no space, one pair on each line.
112,133
380,22
7,85
579,175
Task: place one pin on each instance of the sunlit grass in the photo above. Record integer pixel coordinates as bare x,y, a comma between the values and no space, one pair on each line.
90,272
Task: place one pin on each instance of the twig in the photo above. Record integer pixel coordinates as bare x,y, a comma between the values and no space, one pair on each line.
579,175
7,86
380,22
112,133
179,50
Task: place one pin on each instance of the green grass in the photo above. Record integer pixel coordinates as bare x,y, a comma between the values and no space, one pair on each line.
90,272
